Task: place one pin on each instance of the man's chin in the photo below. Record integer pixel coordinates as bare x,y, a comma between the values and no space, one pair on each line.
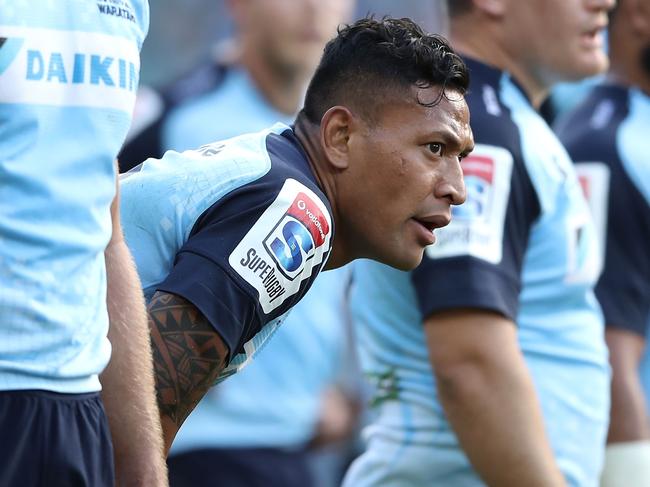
406,262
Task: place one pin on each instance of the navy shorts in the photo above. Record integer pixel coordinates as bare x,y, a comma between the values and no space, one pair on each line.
54,440
240,467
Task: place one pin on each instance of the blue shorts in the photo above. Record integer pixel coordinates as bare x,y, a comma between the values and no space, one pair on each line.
49,439
240,467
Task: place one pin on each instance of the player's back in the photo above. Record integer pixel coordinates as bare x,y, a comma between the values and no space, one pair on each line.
522,246
68,75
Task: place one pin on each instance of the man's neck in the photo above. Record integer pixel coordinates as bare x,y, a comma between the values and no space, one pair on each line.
491,50
626,68
282,88
308,135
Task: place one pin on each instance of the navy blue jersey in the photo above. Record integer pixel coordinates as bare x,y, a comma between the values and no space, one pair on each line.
608,138
239,228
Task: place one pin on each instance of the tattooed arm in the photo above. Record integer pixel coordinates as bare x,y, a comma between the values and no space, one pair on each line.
188,357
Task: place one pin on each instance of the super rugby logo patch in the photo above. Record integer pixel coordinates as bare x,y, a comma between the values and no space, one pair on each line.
280,251
476,227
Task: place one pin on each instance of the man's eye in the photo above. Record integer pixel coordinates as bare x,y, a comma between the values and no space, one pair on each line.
435,148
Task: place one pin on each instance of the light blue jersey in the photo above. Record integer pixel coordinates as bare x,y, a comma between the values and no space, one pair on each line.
68,77
239,228
523,246
269,403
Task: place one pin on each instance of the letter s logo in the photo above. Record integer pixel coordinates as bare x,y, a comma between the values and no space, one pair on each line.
289,254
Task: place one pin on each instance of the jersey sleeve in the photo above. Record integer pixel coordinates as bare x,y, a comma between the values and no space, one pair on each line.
252,256
477,260
623,216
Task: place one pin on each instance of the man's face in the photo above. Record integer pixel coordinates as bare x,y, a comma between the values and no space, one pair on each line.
404,175
291,34
559,40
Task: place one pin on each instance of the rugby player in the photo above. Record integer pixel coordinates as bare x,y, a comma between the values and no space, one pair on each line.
607,136
489,358
257,427
68,75
227,238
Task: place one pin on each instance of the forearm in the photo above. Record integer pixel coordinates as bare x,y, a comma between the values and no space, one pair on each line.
127,383
493,409
188,356
628,417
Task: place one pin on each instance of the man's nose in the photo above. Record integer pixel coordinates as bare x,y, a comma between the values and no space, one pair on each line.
452,184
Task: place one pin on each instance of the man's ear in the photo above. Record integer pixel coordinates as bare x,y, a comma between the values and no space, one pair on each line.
336,127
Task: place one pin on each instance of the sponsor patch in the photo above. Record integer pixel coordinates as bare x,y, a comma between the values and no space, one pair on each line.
280,251
62,68
476,228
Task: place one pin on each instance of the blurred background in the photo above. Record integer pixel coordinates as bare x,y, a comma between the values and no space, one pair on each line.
183,32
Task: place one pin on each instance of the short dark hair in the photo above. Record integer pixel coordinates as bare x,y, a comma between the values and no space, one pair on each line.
373,58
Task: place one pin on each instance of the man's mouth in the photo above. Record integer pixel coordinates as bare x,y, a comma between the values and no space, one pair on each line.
593,37
433,221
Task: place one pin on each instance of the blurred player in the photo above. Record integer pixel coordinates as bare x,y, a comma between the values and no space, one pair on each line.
227,238
68,75
608,136
500,316
259,78
257,427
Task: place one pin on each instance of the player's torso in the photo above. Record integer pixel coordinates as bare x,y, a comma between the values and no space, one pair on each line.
606,136
165,201
68,76
559,323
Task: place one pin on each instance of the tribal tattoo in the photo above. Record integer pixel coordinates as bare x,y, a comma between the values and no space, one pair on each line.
188,354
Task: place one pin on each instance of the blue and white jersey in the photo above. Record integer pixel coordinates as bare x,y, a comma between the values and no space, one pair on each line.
607,137
524,246
239,228
268,404
68,77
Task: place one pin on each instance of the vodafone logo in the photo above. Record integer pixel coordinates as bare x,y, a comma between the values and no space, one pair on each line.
307,212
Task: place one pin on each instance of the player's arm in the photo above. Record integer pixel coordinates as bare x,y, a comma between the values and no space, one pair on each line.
488,396
127,383
188,355
628,417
